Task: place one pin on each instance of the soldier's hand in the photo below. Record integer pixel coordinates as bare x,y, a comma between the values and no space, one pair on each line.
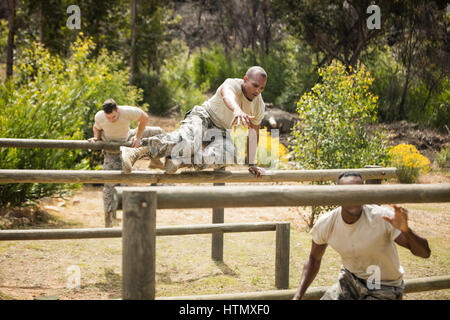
400,218
240,117
135,142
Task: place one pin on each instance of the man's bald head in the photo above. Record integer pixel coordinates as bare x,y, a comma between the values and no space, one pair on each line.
256,71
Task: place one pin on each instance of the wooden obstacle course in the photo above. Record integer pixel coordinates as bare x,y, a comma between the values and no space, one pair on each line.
140,233
138,239
282,244
200,197
217,177
114,176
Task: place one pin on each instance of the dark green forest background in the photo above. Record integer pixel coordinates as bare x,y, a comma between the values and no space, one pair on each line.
177,51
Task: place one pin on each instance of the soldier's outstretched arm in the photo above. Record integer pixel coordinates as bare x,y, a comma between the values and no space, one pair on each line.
311,268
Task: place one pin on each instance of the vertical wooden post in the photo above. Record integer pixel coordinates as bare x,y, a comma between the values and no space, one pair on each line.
138,245
282,255
217,238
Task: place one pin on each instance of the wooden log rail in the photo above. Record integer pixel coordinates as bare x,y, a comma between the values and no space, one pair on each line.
289,196
113,176
411,285
97,233
61,144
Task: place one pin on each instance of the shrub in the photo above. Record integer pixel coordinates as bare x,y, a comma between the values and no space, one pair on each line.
427,97
332,131
178,73
409,162
212,66
443,158
51,98
175,83
293,69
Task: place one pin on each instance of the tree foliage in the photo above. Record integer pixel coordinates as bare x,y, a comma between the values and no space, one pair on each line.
332,131
337,29
413,33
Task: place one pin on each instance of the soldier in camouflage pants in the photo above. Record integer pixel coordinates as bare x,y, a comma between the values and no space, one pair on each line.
112,161
188,141
350,287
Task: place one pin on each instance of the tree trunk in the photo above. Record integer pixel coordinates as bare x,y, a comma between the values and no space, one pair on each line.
10,46
133,39
41,34
410,51
267,27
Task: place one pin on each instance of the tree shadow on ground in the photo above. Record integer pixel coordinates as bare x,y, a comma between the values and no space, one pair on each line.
112,283
225,268
31,218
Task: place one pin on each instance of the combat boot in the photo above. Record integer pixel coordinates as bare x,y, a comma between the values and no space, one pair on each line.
156,164
171,165
130,155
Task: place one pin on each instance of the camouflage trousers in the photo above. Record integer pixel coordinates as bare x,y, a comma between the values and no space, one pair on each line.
198,142
112,161
350,287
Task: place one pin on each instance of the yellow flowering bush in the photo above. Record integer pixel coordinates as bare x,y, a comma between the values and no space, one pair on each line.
334,116
266,156
410,163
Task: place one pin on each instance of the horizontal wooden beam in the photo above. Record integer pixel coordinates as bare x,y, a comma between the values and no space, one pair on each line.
111,176
95,233
411,285
289,196
60,144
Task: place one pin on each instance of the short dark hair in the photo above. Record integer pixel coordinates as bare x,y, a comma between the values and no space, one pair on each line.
109,106
349,174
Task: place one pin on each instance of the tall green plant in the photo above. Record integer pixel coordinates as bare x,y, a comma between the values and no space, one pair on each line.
334,118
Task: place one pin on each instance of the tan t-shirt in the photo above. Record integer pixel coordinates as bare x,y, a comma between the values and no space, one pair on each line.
118,130
222,116
367,242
